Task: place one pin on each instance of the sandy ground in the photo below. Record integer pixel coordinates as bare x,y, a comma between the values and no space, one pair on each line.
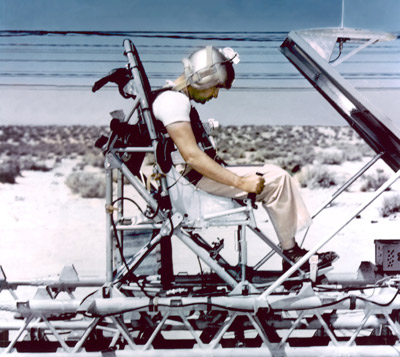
44,227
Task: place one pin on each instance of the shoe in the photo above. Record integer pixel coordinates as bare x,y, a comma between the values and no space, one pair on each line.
294,254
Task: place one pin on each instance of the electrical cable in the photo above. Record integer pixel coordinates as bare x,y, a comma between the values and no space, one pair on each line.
121,252
350,297
201,273
340,52
120,249
130,200
181,175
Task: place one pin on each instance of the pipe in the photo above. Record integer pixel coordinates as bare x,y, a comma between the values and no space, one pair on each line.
337,322
312,351
109,235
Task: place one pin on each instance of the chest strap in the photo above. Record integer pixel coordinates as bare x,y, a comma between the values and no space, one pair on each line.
206,145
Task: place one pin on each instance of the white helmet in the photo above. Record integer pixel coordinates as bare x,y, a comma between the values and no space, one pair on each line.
209,67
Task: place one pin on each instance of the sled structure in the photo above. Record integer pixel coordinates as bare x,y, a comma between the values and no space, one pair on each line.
238,310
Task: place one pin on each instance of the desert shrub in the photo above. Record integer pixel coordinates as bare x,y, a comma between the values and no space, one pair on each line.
365,149
261,156
390,206
9,171
93,159
86,184
332,158
304,154
295,163
269,145
237,152
373,182
315,177
352,155
32,165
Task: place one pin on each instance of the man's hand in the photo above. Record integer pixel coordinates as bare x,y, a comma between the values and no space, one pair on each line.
252,184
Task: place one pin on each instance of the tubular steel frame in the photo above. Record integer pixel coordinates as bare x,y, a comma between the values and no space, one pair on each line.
235,312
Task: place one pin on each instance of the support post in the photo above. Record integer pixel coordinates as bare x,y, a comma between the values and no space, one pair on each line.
109,235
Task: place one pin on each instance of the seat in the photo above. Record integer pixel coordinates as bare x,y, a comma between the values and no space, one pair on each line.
200,208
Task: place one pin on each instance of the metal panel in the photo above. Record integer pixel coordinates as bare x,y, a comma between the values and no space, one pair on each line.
310,52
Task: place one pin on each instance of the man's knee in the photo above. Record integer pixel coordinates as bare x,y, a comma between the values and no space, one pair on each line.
276,173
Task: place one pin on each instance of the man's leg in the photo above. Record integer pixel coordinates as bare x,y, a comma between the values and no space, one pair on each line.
281,199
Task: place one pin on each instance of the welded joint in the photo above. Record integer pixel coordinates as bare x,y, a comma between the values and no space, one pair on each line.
112,162
170,225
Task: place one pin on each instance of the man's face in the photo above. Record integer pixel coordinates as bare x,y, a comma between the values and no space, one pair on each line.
204,95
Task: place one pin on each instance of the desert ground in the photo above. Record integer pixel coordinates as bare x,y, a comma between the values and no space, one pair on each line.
46,223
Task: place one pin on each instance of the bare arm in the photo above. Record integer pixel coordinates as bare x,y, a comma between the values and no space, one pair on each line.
182,135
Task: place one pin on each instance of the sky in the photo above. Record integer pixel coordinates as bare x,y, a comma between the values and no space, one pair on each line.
46,78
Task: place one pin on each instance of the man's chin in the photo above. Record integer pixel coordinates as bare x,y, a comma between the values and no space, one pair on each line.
202,101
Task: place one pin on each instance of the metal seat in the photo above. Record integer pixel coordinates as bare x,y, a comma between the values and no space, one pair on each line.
202,209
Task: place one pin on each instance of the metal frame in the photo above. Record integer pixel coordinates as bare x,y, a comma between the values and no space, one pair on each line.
272,315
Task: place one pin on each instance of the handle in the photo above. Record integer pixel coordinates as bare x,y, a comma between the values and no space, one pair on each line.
252,196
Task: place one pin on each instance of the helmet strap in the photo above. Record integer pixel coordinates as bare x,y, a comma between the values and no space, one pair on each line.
209,55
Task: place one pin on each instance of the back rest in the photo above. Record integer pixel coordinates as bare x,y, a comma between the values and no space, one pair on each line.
139,134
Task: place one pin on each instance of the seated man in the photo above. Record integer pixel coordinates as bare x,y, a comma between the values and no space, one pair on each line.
205,72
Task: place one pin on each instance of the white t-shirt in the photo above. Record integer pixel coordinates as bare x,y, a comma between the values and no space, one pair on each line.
171,107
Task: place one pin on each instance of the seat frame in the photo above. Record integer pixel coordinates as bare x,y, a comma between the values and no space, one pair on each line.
177,208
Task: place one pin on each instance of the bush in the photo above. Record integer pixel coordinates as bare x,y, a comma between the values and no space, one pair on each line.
391,205
32,165
332,158
87,185
9,170
373,182
316,177
294,164
93,159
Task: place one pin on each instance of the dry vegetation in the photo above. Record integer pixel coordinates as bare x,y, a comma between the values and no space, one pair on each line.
291,147
289,144
304,151
40,148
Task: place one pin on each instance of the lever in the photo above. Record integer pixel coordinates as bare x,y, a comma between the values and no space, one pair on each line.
252,196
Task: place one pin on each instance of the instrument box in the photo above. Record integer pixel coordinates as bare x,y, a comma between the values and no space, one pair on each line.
387,254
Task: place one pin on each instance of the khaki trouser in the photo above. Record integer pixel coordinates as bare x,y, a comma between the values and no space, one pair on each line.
280,198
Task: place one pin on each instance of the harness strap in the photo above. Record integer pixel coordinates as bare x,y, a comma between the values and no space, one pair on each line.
203,139
193,177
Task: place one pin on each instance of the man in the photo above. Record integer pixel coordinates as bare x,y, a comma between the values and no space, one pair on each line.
206,71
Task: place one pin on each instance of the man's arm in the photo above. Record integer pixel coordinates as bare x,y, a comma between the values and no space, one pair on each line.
182,135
